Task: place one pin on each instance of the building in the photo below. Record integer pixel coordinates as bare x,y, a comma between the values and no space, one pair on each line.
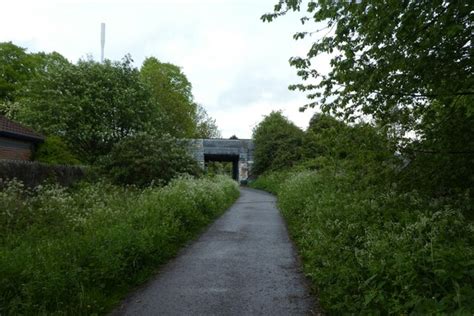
17,142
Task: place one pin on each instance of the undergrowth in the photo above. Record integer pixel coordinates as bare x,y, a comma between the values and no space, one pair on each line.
372,249
78,251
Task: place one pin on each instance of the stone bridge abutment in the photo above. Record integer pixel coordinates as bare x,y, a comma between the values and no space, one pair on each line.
237,151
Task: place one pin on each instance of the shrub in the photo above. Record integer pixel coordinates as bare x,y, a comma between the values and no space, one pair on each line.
441,161
277,144
144,159
91,105
55,151
76,252
271,181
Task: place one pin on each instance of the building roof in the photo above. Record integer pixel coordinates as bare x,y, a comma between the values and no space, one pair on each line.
8,128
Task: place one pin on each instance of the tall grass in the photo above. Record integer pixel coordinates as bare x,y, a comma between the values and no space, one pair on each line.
78,251
371,249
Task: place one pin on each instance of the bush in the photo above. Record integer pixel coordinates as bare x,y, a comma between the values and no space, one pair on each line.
277,144
375,250
144,159
441,161
32,174
77,252
271,181
91,105
55,151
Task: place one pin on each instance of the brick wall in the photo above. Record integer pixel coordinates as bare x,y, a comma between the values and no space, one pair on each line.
15,149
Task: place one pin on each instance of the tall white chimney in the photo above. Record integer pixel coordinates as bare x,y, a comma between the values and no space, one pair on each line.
102,41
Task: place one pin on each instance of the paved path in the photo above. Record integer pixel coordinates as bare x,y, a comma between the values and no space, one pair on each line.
243,265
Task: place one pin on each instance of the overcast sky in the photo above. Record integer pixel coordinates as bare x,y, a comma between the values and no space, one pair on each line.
238,65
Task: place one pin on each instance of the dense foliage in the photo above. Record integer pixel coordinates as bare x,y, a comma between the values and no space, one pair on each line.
76,252
277,143
15,68
171,92
371,240
405,64
91,106
55,151
385,223
77,249
389,59
442,158
144,159
329,142
371,250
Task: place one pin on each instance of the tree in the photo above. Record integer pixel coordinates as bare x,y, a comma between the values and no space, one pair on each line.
90,105
408,65
277,143
361,147
16,67
206,126
143,159
441,160
55,151
48,62
172,96
319,125
389,59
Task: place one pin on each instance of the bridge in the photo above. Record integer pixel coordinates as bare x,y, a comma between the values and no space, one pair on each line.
237,151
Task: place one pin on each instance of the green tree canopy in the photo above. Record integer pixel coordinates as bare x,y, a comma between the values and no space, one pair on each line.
442,158
319,126
389,59
406,64
16,67
331,143
90,105
172,96
206,126
48,62
55,151
277,143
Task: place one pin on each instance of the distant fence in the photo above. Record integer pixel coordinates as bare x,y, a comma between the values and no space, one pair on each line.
35,173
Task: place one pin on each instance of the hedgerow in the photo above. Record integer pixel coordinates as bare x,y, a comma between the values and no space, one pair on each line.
78,251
